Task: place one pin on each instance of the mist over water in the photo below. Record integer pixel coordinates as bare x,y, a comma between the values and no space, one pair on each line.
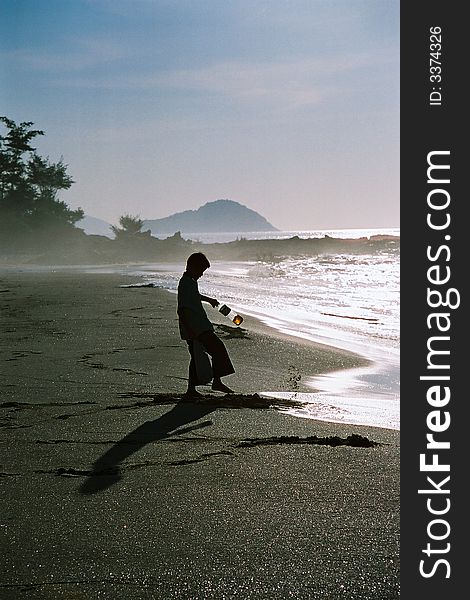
223,237
349,301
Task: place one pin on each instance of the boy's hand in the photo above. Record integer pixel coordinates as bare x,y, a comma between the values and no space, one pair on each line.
212,301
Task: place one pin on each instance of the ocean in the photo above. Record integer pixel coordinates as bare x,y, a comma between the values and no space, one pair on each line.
343,300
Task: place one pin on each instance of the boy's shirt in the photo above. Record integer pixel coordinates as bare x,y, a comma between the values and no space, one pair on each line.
196,317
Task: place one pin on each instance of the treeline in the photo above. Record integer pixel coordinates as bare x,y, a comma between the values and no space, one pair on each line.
30,209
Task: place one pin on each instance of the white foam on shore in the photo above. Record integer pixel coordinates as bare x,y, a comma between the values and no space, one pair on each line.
344,409
354,396
364,396
322,334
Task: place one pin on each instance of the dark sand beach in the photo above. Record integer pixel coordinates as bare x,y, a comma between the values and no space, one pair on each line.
114,487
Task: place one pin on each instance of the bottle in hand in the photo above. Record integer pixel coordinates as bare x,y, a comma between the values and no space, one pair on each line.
228,312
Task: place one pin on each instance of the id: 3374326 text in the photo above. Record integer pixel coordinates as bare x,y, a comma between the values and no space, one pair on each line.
435,66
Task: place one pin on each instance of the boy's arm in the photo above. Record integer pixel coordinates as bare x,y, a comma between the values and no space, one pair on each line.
212,301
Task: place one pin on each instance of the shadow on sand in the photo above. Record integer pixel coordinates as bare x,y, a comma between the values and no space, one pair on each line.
106,469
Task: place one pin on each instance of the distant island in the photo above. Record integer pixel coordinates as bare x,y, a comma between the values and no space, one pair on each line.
217,216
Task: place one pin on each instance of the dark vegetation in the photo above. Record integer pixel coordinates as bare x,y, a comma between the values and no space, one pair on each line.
30,211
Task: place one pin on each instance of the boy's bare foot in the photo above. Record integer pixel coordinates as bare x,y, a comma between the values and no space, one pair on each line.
218,386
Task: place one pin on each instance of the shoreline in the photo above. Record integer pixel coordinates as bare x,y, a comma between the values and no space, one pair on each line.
375,381
372,387
325,362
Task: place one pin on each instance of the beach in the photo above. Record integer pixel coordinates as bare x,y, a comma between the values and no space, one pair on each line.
115,487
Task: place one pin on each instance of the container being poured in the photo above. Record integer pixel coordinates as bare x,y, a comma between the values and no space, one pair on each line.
228,312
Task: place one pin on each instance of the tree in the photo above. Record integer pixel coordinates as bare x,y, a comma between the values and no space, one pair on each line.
130,226
29,185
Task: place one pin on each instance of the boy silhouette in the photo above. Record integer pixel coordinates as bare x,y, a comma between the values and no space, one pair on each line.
195,326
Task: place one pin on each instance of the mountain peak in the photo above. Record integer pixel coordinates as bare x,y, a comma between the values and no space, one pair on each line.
221,215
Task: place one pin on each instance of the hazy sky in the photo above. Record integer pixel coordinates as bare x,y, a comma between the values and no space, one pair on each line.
159,106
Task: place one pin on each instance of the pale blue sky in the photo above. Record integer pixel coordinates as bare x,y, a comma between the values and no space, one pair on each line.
158,106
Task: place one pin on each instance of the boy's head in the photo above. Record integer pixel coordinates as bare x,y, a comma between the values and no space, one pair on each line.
196,264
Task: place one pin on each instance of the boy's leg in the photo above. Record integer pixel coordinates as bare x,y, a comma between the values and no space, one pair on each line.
221,363
192,375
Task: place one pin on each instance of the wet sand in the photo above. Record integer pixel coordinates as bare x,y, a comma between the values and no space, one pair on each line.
115,487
